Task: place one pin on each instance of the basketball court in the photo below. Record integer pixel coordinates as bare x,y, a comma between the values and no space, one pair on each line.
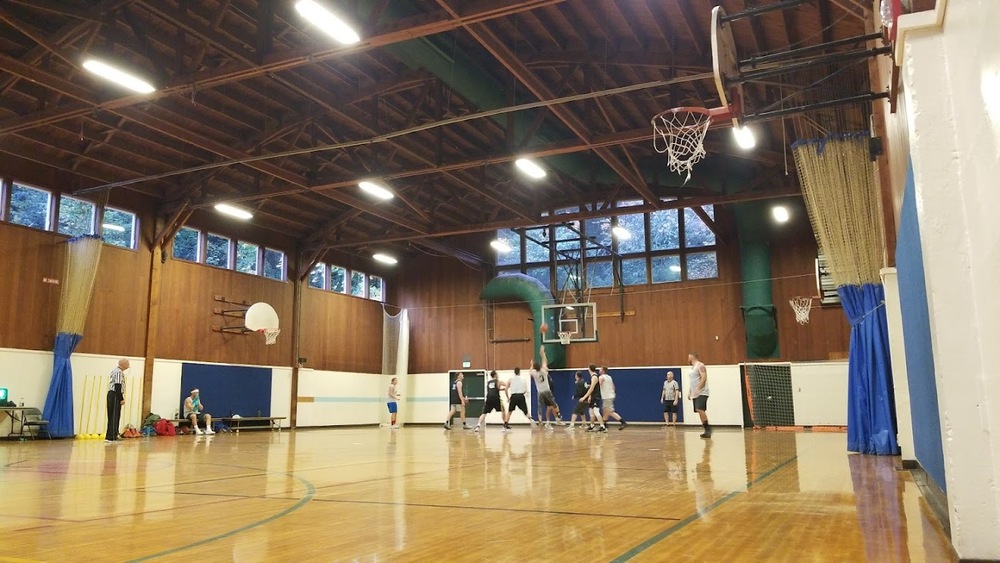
367,494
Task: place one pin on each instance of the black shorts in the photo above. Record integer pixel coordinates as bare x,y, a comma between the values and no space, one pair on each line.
701,403
517,402
669,406
545,399
581,408
595,403
492,405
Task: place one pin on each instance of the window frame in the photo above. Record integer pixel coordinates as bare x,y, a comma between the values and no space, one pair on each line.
258,261
325,274
134,239
199,247
230,260
49,212
347,279
93,218
283,275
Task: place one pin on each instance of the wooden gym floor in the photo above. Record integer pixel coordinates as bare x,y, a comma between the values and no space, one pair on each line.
420,494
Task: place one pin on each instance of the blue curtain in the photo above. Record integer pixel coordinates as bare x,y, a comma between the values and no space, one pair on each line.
871,406
59,402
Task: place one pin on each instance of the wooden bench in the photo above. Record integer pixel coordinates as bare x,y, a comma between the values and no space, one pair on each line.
236,422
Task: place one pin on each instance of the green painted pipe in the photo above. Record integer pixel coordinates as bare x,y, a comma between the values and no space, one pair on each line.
531,291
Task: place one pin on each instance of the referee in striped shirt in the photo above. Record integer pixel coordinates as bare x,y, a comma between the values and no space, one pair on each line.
116,398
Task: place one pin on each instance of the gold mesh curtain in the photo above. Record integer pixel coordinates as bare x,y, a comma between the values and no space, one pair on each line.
838,185
82,257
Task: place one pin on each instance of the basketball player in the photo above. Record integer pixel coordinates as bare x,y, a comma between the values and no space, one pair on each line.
392,403
608,398
493,388
669,399
458,401
116,399
593,399
193,409
517,387
580,389
699,391
546,402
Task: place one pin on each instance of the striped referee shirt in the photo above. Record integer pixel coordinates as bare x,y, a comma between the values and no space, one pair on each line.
117,378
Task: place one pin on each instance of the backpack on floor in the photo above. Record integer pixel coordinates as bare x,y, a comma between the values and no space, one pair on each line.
148,431
164,428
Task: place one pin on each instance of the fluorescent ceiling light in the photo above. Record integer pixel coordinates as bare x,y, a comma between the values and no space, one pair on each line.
621,232
327,22
529,167
675,268
384,258
120,77
780,213
110,227
233,211
744,137
376,190
500,246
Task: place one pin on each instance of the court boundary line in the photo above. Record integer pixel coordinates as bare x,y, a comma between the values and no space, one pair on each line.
496,509
310,492
630,554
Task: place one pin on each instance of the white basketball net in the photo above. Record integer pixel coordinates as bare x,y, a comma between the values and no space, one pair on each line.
564,337
680,134
271,335
801,306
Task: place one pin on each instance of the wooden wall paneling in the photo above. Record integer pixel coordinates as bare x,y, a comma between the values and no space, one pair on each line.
116,322
29,307
341,333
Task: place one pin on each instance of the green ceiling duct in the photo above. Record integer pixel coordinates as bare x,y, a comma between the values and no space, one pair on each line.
531,291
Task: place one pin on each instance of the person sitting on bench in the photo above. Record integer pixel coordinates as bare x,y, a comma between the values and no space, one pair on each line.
193,410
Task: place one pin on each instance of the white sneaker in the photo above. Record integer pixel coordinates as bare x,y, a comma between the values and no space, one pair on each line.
209,431
198,430
477,428
395,427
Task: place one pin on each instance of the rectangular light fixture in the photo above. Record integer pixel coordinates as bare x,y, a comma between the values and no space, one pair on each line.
233,211
110,227
500,246
621,232
744,137
118,76
376,190
384,258
327,22
529,167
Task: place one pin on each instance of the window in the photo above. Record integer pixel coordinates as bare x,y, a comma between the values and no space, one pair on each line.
274,264
513,240
599,230
187,244
696,232
338,279
217,250
566,277
634,271
599,274
30,206
375,288
357,284
702,266
76,216
541,274
666,269
317,277
118,227
568,239
664,230
534,251
247,257
636,226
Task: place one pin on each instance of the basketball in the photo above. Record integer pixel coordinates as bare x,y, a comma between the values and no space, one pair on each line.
544,328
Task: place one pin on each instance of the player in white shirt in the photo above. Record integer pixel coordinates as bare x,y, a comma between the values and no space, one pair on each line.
517,387
546,401
670,399
608,398
699,391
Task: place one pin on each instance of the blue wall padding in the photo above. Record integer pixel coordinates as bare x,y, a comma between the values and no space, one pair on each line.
531,291
917,339
637,392
227,390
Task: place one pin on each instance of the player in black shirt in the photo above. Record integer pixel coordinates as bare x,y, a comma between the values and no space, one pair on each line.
493,388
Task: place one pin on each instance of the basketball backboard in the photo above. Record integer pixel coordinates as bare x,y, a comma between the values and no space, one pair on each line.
578,319
726,64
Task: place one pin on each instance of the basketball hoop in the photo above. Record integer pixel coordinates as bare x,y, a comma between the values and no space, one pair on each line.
270,335
565,337
680,134
801,306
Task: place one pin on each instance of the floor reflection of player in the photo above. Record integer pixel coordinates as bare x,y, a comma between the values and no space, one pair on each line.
704,487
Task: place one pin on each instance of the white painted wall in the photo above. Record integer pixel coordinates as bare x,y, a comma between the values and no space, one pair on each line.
951,78
819,393
897,355
725,398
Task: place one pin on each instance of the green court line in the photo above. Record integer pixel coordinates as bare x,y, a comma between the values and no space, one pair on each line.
696,516
310,492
